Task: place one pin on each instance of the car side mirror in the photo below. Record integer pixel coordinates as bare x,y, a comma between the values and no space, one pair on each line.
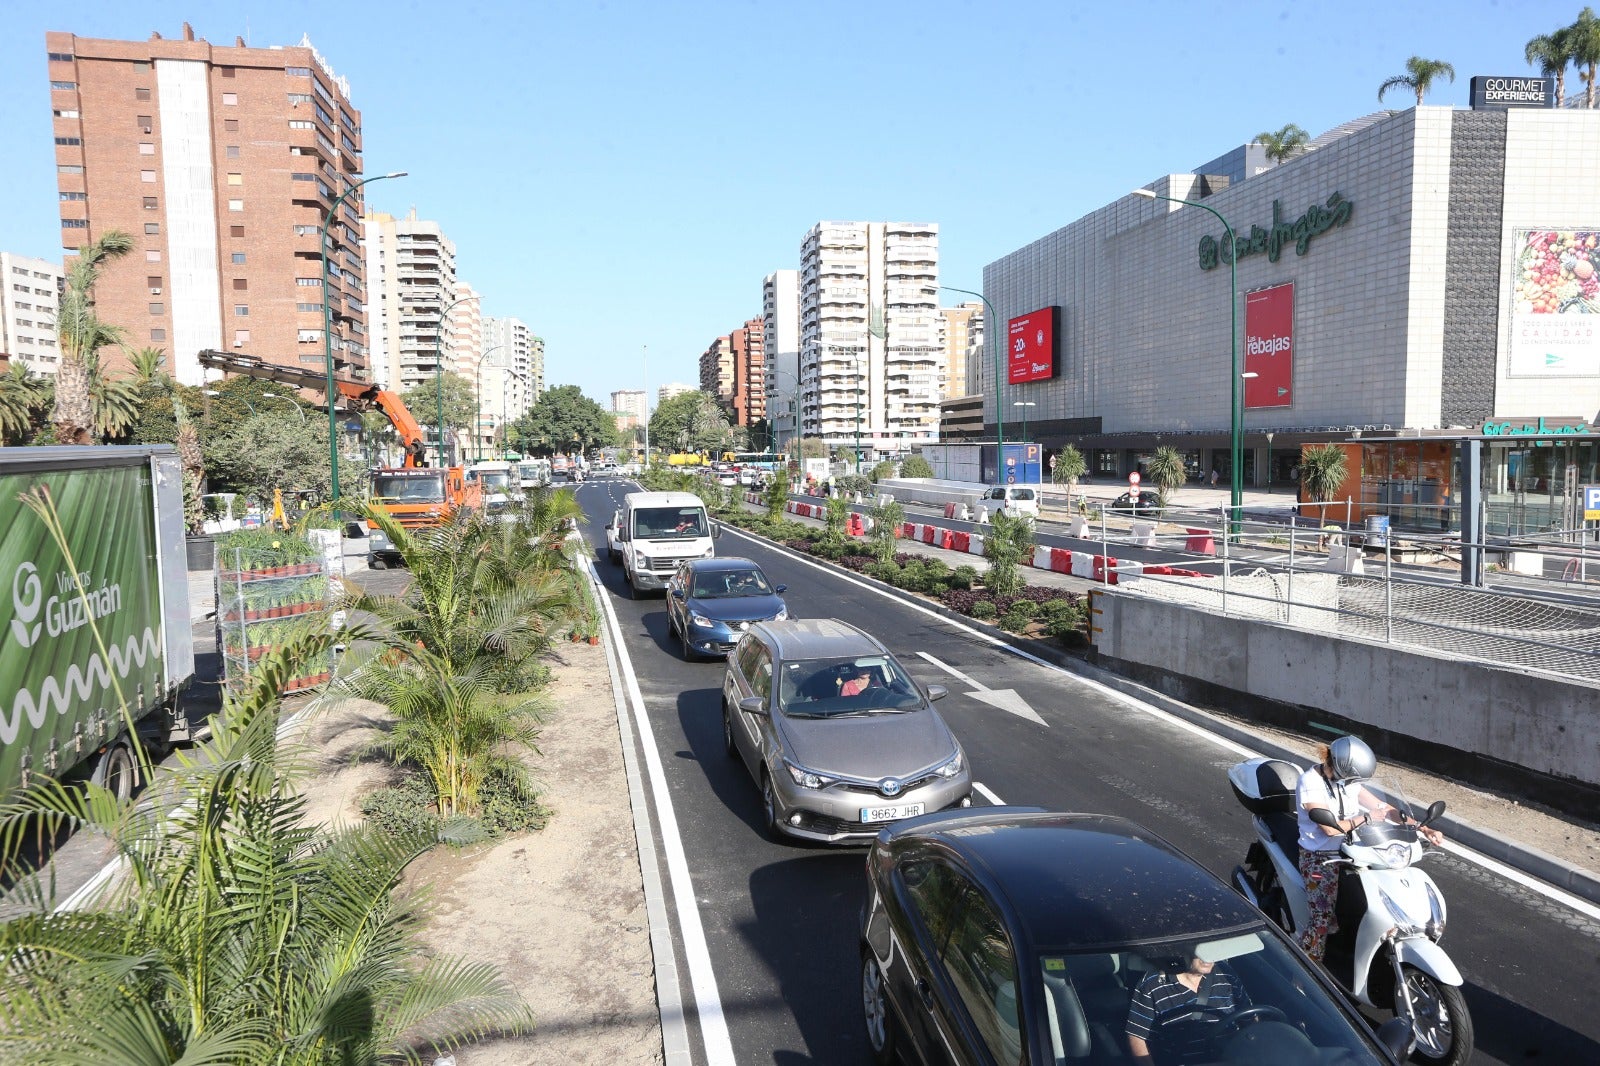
625,535
716,530
677,594
780,589
754,705
609,527
1323,817
1435,812
1397,1036
937,692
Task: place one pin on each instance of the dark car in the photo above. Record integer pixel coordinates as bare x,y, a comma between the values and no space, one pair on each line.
1012,934
1144,502
712,602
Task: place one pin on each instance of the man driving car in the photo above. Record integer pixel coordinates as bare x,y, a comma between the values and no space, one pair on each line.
1174,1009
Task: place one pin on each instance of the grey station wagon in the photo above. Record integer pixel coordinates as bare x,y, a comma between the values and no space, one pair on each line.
840,739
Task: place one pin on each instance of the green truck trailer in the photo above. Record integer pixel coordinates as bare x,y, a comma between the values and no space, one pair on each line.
123,573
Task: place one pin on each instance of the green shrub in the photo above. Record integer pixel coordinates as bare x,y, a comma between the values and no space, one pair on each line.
886,572
962,577
887,519
510,804
1024,609
1051,610
405,808
1015,621
983,609
915,466
853,483
883,470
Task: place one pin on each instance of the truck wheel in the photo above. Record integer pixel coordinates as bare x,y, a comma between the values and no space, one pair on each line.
376,563
117,772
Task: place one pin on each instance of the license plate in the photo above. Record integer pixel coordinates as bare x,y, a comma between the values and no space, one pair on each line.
891,813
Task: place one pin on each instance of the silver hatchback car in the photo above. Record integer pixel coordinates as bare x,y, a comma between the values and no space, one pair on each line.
840,739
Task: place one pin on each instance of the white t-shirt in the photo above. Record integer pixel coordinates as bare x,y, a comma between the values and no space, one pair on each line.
1314,787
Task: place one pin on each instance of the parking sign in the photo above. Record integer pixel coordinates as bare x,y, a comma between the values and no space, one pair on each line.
1591,503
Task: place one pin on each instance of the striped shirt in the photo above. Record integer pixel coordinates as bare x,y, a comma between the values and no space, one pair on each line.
1161,1005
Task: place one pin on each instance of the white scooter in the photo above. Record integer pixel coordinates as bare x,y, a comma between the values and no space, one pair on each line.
1390,914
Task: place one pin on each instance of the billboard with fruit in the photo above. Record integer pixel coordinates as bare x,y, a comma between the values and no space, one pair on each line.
1555,303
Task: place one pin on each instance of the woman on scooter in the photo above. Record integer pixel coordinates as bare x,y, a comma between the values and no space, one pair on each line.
1335,785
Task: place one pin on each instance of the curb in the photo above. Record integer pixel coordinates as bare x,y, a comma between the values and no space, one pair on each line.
1531,861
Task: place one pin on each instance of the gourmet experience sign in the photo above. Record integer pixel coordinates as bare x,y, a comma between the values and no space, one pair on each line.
1317,220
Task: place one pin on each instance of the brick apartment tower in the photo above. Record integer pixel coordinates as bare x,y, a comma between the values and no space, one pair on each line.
749,373
222,164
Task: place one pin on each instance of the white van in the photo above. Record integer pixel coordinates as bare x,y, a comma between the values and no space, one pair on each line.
1011,501
656,532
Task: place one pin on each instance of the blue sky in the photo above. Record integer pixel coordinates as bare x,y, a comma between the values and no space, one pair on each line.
623,174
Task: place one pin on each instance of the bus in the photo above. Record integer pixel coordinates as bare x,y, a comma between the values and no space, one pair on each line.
767,461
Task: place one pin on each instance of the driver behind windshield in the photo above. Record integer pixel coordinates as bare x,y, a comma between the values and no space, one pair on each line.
1174,1010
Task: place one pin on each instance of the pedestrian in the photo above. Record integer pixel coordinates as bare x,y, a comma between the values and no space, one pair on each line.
1214,476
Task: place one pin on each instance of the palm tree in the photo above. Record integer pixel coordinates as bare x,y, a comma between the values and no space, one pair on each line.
1323,471
113,401
147,364
1286,142
1166,471
21,392
1583,38
82,334
1419,77
237,932
1552,54
1068,466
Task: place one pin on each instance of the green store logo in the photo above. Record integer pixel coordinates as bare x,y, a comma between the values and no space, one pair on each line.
1317,220
1536,429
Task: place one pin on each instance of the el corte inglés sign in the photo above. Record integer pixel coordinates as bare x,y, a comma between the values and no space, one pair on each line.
1317,220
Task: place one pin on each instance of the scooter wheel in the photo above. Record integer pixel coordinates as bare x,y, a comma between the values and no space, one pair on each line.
1439,1019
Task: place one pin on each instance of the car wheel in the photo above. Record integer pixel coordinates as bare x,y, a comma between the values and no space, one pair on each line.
633,590
1440,1020
727,732
688,649
769,806
376,563
882,1037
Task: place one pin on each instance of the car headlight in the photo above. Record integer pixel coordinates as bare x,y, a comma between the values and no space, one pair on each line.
952,766
783,612
700,620
641,561
709,552
806,778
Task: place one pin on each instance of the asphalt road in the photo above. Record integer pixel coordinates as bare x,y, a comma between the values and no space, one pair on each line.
780,920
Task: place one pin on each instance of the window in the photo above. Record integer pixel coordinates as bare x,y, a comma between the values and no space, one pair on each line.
309,307
236,231
303,177
152,228
241,310
235,205
141,94
64,86
305,231
144,122
301,124
68,141
158,309
238,257
74,196
153,280
147,148
152,255
233,151
149,203
299,98
75,223
230,99
148,176
60,57
307,283
983,968
141,66
310,336
231,125
235,178
227,72
241,337
158,334
240,283
298,72
69,168
59,113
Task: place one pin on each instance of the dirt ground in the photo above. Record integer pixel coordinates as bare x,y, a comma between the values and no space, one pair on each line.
560,911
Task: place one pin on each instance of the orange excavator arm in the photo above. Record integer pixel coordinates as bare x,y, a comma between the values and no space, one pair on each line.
364,396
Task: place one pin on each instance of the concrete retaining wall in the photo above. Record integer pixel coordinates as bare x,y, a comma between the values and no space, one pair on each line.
1507,723
930,490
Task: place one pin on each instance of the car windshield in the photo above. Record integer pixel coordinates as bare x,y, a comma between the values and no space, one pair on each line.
1260,1001
670,522
830,688
730,584
409,489
495,482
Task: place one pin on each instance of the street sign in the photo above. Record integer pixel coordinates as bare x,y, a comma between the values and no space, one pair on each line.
1133,480
1591,503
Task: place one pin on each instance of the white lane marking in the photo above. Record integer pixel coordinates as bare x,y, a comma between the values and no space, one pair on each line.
702,977
1549,891
953,672
987,793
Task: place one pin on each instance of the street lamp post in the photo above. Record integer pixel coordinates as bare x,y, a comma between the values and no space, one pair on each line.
301,411
991,328
477,404
645,371
438,366
1024,404
244,399
1235,405
327,325
1269,461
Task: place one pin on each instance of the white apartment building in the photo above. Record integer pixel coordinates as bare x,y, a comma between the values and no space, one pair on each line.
28,302
963,343
411,280
871,356
667,392
780,335
513,372
630,402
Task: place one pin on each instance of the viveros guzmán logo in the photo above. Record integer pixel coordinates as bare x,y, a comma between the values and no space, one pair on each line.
27,597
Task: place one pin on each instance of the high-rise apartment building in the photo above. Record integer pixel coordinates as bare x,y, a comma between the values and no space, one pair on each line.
30,292
780,338
513,372
222,164
716,370
870,351
630,402
413,267
963,337
667,392
749,401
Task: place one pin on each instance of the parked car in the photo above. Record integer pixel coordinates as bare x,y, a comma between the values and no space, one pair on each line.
1145,502
1011,501
839,738
1012,934
727,478
711,603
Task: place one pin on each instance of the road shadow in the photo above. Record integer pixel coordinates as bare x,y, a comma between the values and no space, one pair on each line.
1510,1032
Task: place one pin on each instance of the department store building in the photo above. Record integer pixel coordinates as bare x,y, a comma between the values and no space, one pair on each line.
1415,280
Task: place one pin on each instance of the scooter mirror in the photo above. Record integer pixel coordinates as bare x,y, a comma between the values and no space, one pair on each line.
1397,1036
1323,817
1435,812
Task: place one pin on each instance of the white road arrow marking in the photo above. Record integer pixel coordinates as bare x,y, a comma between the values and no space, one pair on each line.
1006,699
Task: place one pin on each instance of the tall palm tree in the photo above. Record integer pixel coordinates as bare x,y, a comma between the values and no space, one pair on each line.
1552,54
148,363
1583,37
113,401
1284,143
1419,77
82,334
21,392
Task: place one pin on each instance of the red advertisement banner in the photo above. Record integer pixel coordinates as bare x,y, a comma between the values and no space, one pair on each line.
1031,347
1269,346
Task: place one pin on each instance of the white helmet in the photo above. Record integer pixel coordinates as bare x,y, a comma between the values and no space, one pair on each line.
1351,760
